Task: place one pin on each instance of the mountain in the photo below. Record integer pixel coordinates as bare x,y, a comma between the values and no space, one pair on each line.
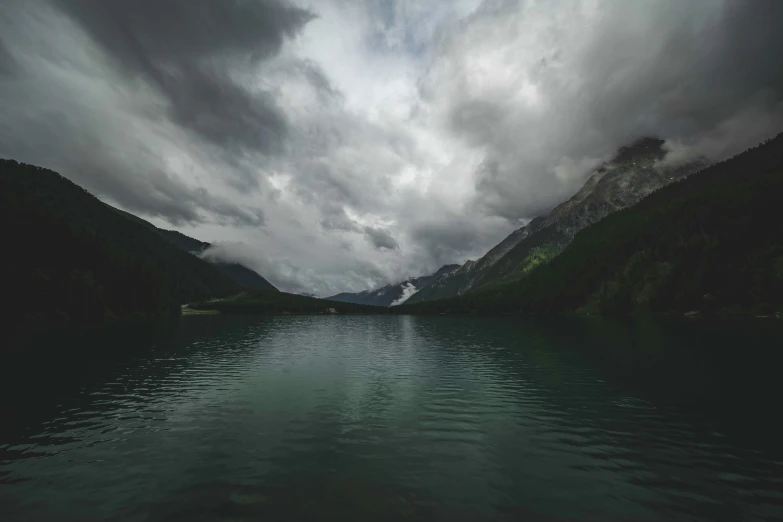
617,184
393,295
183,242
71,258
245,277
709,243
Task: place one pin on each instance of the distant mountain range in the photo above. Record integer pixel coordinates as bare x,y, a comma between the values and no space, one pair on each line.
396,294
622,182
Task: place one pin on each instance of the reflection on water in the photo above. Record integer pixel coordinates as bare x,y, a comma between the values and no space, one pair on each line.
389,418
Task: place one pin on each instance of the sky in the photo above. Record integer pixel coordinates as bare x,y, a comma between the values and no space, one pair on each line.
339,145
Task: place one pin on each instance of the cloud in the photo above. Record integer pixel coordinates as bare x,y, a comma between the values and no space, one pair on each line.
187,49
292,277
381,238
537,84
747,128
67,109
348,145
450,236
7,62
408,289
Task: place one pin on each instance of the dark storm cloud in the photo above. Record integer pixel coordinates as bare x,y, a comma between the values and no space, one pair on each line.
319,81
172,200
602,78
335,218
105,158
184,47
477,120
441,125
222,111
137,184
381,238
7,62
448,238
699,73
99,122
493,187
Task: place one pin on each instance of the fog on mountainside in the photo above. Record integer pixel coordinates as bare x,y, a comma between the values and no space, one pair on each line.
246,278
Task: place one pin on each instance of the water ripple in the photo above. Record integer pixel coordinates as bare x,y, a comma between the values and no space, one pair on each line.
428,419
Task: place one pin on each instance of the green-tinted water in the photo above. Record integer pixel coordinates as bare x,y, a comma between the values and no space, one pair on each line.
390,418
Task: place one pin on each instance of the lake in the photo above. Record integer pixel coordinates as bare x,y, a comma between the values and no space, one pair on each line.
397,418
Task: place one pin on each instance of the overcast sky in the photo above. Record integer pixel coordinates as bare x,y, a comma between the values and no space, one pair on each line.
336,145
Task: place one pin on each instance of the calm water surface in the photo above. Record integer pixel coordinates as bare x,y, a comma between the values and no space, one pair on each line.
395,418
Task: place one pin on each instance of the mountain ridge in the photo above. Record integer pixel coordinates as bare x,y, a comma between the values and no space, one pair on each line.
710,242
246,277
392,294
79,260
631,174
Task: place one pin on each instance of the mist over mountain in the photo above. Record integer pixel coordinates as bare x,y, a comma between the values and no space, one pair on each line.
245,277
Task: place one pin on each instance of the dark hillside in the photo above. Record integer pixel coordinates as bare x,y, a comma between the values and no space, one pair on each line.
246,278
71,258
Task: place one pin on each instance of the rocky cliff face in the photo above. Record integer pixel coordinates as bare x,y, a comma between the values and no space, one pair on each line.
622,182
393,295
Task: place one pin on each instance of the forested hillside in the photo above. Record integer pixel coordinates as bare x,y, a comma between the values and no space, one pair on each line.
70,258
711,243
